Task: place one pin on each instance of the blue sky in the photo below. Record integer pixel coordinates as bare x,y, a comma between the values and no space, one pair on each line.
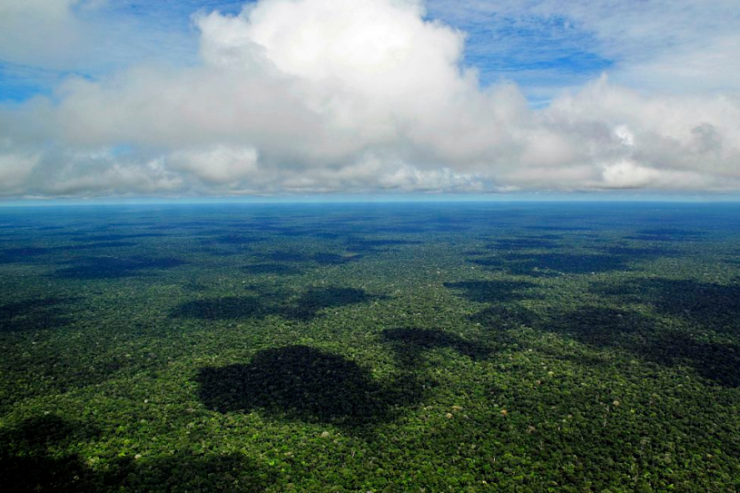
538,53
193,99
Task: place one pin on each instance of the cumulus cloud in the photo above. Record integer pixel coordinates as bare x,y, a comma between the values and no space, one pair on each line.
22,22
15,168
361,95
219,164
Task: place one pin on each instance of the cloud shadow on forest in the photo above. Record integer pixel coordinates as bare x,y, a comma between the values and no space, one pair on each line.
29,462
304,307
303,383
35,314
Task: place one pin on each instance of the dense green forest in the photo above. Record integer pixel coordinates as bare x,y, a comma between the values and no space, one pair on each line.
370,348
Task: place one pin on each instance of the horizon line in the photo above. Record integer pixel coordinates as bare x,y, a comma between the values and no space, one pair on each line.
374,199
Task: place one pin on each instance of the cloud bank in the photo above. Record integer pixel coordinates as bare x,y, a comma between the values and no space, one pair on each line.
318,96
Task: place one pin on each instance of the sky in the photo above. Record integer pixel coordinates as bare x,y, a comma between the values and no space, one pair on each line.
295,98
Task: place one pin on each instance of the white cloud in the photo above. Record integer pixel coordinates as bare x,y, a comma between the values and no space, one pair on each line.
43,32
339,95
101,173
15,168
218,164
628,174
56,37
115,179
